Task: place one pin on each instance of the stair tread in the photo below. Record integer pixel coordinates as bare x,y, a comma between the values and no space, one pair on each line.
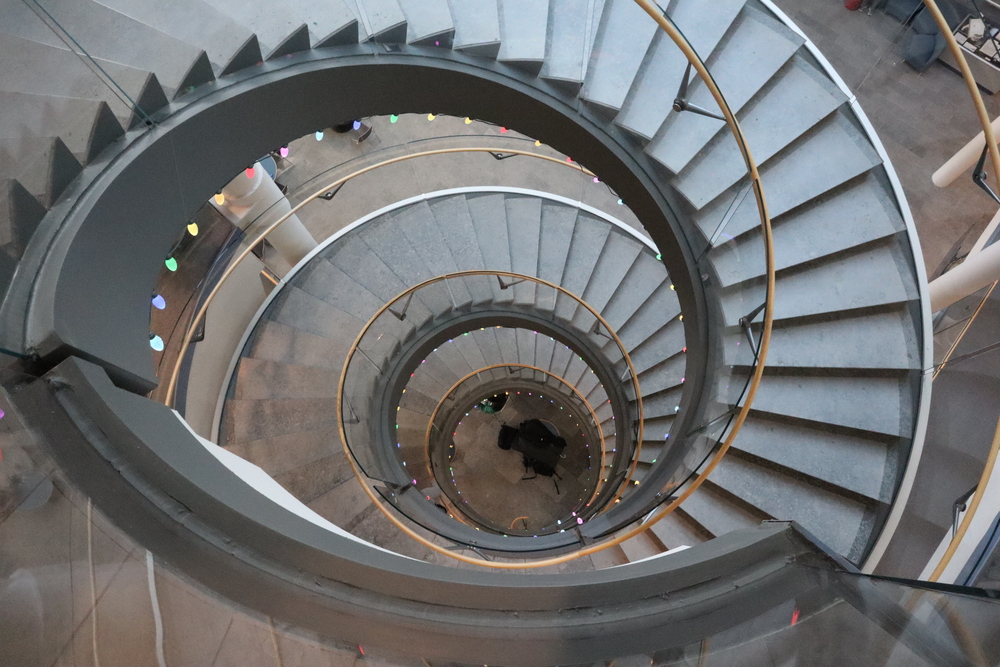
382,20
326,19
861,211
872,404
72,119
273,21
136,44
871,341
327,282
419,226
836,520
262,379
31,67
568,40
427,19
755,36
589,237
623,37
857,464
799,94
649,101
524,216
867,277
477,27
523,24
614,262
715,513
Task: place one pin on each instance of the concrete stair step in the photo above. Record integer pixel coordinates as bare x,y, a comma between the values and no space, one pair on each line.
42,166
754,37
419,226
661,307
298,309
227,42
279,29
668,374
327,282
489,219
38,69
853,463
640,547
874,405
428,22
477,27
408,266
262,379
827,156
861,210
622,39
799,94
676,530
614,262
569,39
717,512
835,519
524,218
642,278
382,21
555,236
877,340
523,25
178,65
659,77
861,278
87,127
282,343
589,237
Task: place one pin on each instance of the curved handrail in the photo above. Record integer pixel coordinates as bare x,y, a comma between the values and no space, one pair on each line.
505,274
593,415
768,312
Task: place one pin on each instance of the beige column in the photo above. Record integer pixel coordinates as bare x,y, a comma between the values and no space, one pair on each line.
976,272
257,202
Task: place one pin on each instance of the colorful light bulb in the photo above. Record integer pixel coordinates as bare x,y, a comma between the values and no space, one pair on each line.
283,151
468,121
620,202
156,342
159,302
319,135
503,130
596,179
357,125
537,142
431,116
171,264
250,172
393,118
193,229
220,198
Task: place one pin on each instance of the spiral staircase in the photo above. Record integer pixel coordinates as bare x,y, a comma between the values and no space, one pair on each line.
120,118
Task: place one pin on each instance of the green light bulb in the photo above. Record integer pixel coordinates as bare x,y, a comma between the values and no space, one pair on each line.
171,263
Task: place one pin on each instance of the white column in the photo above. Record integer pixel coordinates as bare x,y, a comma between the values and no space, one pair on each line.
975,273
257,202
963,160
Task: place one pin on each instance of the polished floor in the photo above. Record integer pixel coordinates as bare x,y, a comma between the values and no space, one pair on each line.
495,483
